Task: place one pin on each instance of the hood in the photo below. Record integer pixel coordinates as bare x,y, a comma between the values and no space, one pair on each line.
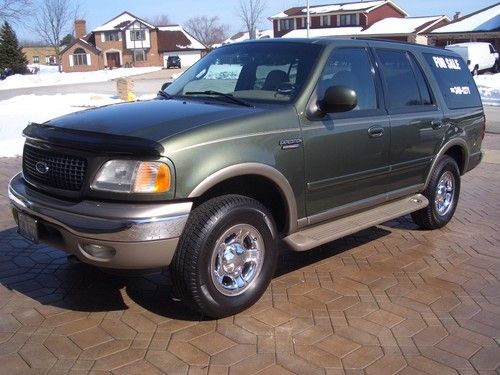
155,120
132,128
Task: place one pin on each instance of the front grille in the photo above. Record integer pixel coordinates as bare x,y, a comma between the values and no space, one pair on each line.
64,172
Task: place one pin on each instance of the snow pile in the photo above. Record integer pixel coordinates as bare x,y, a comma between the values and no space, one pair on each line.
51,77
17,112
489,88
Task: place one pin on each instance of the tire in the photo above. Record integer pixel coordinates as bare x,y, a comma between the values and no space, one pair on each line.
217,273
442,192
475,71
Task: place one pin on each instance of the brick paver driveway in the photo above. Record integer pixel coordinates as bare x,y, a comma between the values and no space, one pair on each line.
389,299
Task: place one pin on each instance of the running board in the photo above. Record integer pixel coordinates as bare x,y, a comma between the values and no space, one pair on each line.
320,234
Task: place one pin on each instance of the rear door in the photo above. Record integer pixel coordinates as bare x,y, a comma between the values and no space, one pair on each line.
417,129
346,154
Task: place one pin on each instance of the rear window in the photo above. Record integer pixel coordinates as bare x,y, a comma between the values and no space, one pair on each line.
456,82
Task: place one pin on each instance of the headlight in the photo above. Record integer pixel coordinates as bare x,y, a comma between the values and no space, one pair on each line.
130,176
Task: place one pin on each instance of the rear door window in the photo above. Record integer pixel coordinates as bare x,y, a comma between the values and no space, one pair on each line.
455,81
405,85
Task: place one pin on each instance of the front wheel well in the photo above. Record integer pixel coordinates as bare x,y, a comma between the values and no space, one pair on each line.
256,187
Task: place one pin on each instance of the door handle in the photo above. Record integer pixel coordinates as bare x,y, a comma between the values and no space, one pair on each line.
375,131
436,124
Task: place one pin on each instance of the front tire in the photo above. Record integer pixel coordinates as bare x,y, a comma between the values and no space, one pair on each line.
442,192
226,256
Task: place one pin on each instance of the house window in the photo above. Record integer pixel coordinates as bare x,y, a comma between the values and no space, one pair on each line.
50,60
111,36
304,23
287,24
79,57
137,35
140,55
36,59
348,20
325,21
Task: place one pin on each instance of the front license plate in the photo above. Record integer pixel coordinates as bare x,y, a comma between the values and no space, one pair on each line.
28,227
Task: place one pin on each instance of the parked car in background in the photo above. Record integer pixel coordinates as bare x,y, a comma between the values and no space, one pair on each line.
479,56
173,62
5,73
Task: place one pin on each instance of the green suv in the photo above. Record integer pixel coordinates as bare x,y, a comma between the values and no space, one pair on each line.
258,145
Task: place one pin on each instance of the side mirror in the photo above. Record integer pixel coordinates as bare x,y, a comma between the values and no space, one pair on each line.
165,85
338,99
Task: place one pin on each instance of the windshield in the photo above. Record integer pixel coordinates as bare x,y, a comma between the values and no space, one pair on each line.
268,72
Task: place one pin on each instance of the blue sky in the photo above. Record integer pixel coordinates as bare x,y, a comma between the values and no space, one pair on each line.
97,12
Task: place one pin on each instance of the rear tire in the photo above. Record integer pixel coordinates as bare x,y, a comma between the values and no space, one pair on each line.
226,256
442,192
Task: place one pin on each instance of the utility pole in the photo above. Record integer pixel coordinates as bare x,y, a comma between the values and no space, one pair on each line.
307,19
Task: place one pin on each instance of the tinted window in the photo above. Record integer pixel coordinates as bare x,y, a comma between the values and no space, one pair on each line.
400,79
425,95
350,67
455,81
271,72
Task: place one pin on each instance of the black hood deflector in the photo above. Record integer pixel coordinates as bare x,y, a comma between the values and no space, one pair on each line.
93,141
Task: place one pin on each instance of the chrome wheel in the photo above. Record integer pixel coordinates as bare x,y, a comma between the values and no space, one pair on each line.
237,259
445,193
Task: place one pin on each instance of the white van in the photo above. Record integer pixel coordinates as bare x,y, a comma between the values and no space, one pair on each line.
479,56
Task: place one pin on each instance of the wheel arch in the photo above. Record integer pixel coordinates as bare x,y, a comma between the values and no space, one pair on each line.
455,148
269,176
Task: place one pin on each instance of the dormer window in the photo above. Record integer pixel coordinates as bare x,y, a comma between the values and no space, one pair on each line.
137,35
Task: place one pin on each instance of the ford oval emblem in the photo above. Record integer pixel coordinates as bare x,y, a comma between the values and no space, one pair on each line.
42,167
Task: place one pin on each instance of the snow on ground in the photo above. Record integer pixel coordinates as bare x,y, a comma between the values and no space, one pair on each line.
17,112
489,88
49,76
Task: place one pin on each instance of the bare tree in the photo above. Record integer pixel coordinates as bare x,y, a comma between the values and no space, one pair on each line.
53,20
250,12
207,30
158,20
14,10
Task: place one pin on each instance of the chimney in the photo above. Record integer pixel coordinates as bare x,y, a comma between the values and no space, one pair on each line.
457,16
80,29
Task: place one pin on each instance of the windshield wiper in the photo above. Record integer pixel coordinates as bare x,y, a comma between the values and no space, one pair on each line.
220,94
164,94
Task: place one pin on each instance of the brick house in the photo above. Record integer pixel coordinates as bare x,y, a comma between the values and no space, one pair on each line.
359,15
40,55
127,41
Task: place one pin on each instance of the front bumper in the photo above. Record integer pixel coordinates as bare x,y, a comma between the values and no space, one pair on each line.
114,235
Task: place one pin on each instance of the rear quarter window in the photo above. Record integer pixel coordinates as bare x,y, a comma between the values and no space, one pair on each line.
455,81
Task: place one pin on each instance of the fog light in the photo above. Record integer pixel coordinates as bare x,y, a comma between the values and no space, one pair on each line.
99,251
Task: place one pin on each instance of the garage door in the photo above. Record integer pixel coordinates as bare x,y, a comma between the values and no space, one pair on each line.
188,58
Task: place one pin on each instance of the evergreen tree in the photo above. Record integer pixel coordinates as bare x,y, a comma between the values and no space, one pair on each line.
11,54
67,40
